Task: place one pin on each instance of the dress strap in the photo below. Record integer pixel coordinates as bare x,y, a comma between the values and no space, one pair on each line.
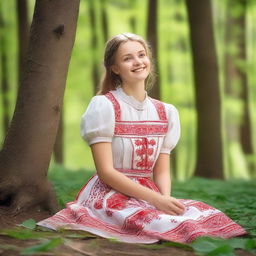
116,106
159,108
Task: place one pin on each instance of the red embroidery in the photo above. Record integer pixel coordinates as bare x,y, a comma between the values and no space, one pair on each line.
160,109
217,224
116,105
136,222
141,129
97,193
136,172
199,205
117,201
98,204
144,150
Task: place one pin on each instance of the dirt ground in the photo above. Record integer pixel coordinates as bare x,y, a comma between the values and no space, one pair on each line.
91,246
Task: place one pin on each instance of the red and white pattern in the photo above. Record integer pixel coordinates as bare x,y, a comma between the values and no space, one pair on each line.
105,212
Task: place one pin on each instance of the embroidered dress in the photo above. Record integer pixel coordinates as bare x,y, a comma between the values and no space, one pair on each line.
139,132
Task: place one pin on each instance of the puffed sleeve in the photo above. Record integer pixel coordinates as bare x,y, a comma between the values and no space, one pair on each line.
173,133
98,121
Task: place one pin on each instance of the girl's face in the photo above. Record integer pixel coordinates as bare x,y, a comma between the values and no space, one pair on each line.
131,62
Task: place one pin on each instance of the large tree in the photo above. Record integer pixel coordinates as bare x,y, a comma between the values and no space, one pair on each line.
95,72
26,152
152,36
4,83
236,80
23,33
209,161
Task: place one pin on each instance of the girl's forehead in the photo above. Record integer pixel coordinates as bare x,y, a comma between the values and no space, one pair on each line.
130,47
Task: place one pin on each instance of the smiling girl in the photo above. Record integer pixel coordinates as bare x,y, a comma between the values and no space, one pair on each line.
131,136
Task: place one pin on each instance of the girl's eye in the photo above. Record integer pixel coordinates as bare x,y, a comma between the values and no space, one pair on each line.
127,58
142,55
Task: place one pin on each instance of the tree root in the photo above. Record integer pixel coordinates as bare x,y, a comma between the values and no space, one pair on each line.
16,199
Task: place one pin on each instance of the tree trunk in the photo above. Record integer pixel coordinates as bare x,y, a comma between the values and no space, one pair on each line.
94,47
4,80
58,146
27,149
152,36
208,105
23,34
246,123
104,19
133,20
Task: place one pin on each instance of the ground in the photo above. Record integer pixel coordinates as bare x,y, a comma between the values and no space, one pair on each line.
235,198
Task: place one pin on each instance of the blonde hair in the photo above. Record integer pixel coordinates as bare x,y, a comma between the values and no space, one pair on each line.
111,80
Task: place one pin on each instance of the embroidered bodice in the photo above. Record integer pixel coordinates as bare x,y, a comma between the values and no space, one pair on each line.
139,131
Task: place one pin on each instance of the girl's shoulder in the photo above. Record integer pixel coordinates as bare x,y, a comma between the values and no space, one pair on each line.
169,108
100,101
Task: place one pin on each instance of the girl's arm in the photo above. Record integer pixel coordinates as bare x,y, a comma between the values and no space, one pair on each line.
102,155
161,174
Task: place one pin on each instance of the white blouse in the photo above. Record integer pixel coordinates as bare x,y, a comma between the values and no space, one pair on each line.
98,125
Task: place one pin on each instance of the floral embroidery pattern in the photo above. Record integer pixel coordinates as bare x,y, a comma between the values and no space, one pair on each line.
136,222
117,201
144,149
141,129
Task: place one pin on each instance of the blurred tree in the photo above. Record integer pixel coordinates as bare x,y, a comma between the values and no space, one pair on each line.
246,124
58,149
27,148
152,36
23,34
133,20
236,80
94,46
209,162
104,19
4,81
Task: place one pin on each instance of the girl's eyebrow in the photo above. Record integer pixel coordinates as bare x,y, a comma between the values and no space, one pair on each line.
128,54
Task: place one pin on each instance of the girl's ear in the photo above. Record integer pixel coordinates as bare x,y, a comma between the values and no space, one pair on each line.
115,69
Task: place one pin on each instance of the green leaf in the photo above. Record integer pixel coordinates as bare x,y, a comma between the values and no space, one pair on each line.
30,223
205,244
222,250
22,234
242,243
179,245
43,247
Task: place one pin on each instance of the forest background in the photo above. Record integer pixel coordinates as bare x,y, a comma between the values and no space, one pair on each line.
205,60
235,42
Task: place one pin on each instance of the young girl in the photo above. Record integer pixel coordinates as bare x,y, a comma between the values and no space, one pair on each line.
131,136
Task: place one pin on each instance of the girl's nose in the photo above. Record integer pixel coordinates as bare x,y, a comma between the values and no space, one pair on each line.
137,61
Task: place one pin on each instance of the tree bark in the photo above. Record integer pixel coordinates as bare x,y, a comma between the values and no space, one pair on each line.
209,161
4,71
23,34
104,19
94,47
58,150
152,36
27,149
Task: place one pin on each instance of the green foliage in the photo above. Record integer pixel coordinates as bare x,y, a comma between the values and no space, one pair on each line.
30,223
43,247
220,247
67,182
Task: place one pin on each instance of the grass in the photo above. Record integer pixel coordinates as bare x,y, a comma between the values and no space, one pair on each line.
234,197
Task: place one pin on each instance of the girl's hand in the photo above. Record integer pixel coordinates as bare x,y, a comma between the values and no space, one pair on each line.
169,205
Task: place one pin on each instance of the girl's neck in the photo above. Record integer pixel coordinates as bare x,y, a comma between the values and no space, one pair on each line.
135,90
